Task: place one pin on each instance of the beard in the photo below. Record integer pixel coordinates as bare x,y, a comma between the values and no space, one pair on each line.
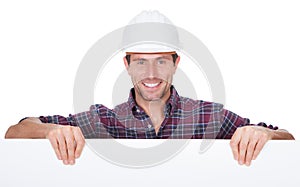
153,93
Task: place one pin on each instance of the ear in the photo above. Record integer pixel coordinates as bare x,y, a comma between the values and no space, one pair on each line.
125,63
176,64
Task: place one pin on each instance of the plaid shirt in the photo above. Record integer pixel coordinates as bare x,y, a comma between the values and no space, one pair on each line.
185,118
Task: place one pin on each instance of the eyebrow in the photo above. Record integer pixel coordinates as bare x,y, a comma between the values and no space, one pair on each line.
158,58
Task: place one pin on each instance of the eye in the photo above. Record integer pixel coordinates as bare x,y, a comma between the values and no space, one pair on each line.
161,62
140,62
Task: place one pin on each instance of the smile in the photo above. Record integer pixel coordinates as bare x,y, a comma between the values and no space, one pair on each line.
151,85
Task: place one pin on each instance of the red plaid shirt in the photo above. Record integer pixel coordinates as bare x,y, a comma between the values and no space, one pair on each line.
184,118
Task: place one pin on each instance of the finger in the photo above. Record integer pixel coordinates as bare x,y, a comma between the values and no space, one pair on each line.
62,146
250,150
80,142
54,145
70,145
234,144
243,145
261,143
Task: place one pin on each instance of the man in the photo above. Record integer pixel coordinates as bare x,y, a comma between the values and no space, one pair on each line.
153,110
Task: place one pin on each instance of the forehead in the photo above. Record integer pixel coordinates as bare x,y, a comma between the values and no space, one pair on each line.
150,56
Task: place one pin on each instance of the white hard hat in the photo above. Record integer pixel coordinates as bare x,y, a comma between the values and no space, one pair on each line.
150,32
150,16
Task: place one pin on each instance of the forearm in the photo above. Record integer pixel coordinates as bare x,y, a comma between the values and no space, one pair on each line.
29,128
282,134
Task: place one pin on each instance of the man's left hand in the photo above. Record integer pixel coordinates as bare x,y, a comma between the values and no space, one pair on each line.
247,142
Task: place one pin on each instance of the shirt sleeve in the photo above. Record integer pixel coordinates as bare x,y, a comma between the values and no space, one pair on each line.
232,121
98,122
58,119
87,121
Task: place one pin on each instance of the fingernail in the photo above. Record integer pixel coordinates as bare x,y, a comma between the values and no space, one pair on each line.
247,163
71,162
65,162
240,162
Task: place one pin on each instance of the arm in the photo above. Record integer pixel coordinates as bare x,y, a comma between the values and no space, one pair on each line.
67,141
282,134
29,128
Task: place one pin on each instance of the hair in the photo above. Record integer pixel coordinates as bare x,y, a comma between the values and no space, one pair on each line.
174,57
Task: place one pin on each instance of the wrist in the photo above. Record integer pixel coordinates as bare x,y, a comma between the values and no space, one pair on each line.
281,134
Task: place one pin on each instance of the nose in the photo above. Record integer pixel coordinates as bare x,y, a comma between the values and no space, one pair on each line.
152,70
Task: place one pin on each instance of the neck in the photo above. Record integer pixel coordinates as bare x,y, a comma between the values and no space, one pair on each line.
154,109
154,106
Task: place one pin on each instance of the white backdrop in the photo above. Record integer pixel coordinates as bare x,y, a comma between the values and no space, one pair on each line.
255,43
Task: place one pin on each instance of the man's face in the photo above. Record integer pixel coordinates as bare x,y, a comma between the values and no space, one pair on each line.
151,75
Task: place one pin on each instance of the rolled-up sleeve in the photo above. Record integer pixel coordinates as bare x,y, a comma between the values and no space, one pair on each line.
93,123
232,121
58,119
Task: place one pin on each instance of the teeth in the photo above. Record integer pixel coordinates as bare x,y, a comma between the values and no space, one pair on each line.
151,85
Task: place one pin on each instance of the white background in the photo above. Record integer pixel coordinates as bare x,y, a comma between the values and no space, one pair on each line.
255,43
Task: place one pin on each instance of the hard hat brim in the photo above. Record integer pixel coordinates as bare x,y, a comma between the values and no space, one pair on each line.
168,52
150,48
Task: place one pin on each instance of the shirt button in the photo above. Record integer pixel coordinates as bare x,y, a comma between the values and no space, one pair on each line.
149,126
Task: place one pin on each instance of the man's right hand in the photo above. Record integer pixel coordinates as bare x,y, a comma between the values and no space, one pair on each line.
67,142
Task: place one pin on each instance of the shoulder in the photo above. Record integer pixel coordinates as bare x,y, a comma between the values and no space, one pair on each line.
102,110
122,106
200,104
99,109
122,109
